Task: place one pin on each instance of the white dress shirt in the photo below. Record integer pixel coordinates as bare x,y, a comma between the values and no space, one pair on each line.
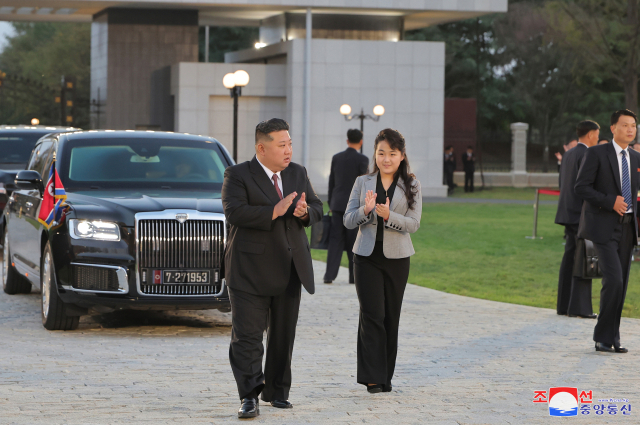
270,175
619,156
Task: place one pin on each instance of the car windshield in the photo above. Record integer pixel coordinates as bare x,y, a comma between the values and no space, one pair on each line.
141,163
15,148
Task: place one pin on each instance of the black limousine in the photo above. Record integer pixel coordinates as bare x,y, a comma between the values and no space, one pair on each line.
142,226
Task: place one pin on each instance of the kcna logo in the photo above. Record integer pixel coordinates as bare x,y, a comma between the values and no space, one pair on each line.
563,401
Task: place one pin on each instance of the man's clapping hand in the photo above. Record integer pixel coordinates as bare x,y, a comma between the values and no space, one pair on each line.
620,206
369,202
281,207
301,206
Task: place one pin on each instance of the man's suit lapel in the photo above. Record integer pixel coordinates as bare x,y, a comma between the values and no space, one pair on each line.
613,160
288,183
263,182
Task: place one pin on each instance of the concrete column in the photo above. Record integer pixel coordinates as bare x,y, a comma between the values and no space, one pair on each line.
519,154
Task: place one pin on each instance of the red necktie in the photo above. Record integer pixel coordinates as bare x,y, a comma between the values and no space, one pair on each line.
275,183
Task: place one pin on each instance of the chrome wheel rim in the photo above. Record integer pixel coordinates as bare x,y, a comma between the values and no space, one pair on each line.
5,259
46,284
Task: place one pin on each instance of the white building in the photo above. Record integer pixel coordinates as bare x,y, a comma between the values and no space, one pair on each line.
145,67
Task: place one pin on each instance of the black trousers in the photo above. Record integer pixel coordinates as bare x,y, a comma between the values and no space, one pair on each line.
448,177
614,259
250,316
340,239
574,293
380,283
468,181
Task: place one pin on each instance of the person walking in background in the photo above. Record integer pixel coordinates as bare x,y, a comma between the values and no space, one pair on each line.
603,141
385,206
346,166
636,147
268,202
469,165
449,167
608,182
567,147
574,294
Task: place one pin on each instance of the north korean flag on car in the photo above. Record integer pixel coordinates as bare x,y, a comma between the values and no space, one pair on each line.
52,204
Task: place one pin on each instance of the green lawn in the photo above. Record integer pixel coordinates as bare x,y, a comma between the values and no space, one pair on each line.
480,250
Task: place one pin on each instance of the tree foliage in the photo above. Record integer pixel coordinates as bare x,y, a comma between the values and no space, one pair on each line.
35,59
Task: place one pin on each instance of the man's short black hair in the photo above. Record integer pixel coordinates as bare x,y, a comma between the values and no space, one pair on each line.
265,128
603,139
448,147
584,127
470,147
617,114
354,135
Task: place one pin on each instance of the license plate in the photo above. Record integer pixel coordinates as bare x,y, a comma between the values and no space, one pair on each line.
186,276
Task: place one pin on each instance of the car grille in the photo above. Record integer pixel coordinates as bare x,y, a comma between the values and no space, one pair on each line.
169,244
95,279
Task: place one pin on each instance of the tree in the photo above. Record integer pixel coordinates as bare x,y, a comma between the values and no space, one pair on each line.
606,35
227,39
35,59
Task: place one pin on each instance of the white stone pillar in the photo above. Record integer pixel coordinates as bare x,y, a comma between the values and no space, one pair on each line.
519,154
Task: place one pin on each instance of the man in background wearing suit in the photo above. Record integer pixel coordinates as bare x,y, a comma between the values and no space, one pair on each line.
608,182
469,165
574,294
346,167
449,166
268,201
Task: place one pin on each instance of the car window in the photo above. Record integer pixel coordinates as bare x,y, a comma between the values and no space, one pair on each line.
15,148
40,157
157,163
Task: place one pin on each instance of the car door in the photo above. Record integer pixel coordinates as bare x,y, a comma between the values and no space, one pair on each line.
25,228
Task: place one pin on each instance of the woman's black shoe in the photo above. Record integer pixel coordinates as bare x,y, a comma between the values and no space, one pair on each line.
373,389
387,388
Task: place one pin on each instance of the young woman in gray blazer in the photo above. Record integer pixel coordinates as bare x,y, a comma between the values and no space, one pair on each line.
386,207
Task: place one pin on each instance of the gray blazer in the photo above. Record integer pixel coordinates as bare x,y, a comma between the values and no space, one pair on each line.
402,220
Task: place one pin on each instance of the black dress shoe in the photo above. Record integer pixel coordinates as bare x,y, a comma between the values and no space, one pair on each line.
620,350
328,281
601,347
282,404
387,388
590,316
249,409
373,389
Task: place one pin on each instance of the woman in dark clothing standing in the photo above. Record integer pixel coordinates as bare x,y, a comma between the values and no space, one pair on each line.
386,206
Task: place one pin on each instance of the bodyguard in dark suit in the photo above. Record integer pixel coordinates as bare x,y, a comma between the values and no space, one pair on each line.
574,294
346,167
469,166
608,182
449,166
268,201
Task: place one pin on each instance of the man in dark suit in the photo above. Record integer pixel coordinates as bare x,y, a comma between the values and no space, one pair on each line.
469,165
608,182
449,168
346,167
574,294
268,202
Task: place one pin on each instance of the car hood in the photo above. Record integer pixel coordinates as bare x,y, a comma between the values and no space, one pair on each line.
121,206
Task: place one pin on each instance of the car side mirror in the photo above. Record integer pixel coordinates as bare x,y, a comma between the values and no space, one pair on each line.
29,179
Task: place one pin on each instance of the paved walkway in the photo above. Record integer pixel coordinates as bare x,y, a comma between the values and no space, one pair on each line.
461,361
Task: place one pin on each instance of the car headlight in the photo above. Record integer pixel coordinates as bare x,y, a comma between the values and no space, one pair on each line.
93,229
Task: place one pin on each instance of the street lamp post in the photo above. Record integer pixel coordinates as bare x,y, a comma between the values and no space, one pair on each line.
378,111
235,82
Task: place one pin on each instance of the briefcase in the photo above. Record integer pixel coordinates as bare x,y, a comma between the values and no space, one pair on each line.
586,262
320,233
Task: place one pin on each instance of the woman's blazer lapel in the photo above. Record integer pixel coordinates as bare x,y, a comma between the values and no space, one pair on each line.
398,195
369,184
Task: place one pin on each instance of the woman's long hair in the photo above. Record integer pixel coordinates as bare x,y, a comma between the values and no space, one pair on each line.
396,141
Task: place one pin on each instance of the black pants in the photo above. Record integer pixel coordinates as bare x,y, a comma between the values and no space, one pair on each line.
251,315
340,239
614,259
380,283
468,181
448,177
574,293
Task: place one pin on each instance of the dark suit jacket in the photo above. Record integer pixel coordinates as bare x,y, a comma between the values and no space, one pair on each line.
598,183
469,165
449,163
260,250
346,167
570,204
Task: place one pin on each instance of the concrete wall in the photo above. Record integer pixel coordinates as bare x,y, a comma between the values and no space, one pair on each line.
407,78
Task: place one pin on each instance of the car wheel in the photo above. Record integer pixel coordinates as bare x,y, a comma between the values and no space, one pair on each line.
12,282
54,315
